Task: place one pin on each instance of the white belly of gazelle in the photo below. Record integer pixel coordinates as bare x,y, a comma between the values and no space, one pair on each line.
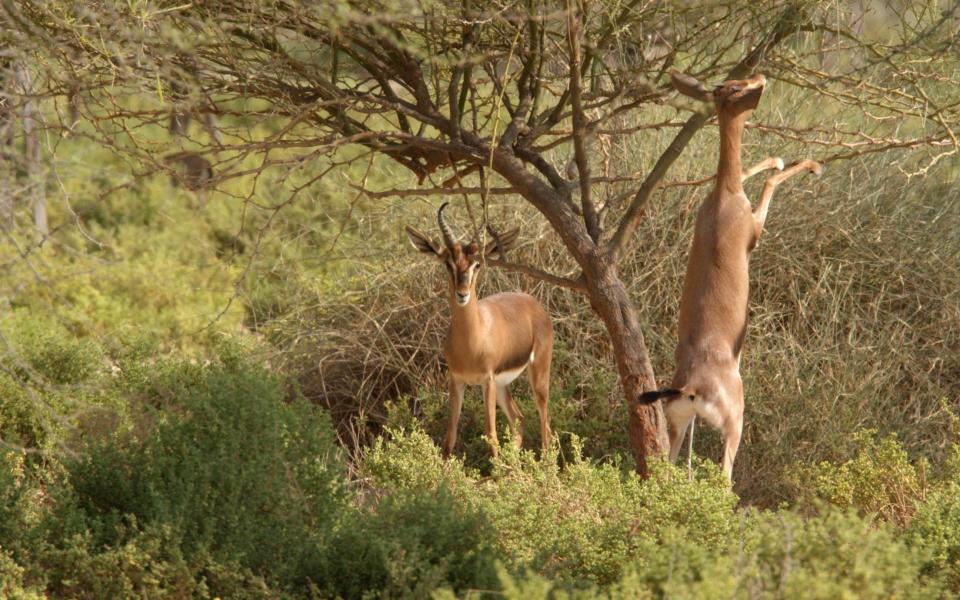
506,377
502,379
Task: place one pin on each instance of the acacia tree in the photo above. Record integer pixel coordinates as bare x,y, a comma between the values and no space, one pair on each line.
487,97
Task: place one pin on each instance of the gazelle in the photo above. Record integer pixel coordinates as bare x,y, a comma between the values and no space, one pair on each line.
193,171
713,308
491,341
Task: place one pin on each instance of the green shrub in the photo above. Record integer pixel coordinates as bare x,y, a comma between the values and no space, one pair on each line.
586,521
52,352
409,545
49,373
580,523
11,580
19,500
147,564
778,555
22,417
880,479
837,554
144,565
935,528
230,468
410,462
590,530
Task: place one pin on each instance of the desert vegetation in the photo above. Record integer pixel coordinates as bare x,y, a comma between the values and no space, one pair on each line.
222,370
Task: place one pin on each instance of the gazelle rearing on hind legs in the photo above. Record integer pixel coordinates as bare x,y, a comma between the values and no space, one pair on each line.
713,308
491,341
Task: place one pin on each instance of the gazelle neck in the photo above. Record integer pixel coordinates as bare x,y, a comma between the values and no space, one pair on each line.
464,320
729,170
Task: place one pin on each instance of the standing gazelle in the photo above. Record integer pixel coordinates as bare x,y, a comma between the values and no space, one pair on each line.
713,308
490,341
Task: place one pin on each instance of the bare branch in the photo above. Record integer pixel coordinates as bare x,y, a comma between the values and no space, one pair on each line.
579,125
577,284
786,25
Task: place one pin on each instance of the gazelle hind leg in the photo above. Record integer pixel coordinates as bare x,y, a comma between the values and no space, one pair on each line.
732,427
732,431
538,374
513,412
679,413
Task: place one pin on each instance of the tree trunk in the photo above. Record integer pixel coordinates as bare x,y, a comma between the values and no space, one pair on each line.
7,133
610,300
31,137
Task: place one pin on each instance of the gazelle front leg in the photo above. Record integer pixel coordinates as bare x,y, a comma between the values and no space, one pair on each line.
765,164
760,213
490,404
456,403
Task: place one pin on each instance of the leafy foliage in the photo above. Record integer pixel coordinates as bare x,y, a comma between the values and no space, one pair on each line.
880,479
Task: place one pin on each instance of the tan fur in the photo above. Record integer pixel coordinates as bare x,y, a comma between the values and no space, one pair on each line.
490,341
192,171
713,307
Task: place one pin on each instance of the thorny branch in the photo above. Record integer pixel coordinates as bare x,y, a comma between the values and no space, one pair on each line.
426,89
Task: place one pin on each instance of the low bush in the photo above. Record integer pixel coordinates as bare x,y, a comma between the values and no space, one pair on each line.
578,524
780,555
879,480
218,482
51,374
595,530
408,545
936,525
216,466
11,580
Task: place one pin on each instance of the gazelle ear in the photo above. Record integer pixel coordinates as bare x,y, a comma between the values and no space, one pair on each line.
501,242
422,242
689,86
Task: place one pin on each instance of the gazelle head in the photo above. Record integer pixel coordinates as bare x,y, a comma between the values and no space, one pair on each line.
731,98
462,260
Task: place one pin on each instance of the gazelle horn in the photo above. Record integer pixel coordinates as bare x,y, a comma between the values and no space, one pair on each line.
444,228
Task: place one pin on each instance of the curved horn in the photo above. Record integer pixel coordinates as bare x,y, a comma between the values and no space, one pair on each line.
444,228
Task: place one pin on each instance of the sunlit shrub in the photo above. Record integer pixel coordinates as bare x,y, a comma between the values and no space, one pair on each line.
580,523
51,352
778,555
880,479
935,526
409,545
230,467
11,580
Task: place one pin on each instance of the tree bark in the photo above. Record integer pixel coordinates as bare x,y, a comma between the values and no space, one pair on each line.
7,134
31,137
610,300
